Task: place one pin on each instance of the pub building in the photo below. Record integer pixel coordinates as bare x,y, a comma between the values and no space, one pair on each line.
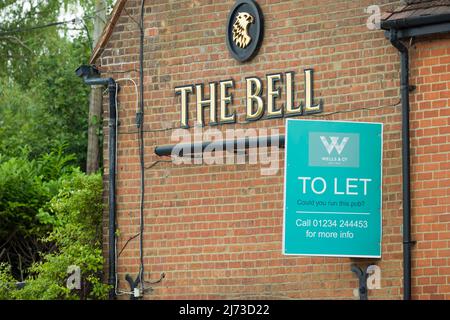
206,96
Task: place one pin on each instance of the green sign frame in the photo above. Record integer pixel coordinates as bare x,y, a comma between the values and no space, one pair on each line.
333,189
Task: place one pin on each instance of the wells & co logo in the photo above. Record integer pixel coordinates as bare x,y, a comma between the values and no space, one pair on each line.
333,150
334,144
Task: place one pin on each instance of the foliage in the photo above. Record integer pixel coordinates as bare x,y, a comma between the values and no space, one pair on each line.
22,192
25,187
42,101
52,108
43,137
75,214
6,282
23,42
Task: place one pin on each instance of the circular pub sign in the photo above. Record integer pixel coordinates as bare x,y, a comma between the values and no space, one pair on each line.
245,29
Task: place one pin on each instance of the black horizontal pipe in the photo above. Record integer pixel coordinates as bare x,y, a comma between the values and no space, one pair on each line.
225,145
99,81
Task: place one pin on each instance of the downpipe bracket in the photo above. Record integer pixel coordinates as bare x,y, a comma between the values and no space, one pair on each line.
134,286
362,277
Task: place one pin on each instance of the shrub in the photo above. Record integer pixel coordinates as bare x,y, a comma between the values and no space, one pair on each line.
6,282
25,187
75,216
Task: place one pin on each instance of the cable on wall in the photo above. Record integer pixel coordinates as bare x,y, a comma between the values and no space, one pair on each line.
118,293
318,115
140,126
4,32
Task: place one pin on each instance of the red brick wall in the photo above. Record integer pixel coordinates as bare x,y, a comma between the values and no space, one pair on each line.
430,133
216,231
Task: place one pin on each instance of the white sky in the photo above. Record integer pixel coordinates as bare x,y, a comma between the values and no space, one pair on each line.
72,13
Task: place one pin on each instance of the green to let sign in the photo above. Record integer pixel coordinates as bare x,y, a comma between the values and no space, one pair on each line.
333,189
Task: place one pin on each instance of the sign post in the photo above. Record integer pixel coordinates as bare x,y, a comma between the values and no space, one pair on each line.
333,188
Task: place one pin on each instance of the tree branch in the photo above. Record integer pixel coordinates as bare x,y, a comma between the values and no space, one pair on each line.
18,41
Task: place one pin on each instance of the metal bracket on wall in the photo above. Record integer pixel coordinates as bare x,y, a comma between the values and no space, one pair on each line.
133,284
362,276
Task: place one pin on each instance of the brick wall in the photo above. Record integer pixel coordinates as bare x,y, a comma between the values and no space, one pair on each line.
430,168
216,231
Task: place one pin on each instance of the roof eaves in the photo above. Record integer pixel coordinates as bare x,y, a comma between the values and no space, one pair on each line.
416,14
107,31
416,21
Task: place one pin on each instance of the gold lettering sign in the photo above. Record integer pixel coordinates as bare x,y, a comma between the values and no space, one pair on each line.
274,104
254,90
225,100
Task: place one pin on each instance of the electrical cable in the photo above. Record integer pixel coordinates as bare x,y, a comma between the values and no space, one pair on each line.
318,115
136,89
51,24
117,125
157,162
48,25
126,243
141,215
131,17
140,121
119,71
85,28
354,110
118,293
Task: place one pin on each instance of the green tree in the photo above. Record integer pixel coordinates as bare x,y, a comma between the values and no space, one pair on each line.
43,137
42,102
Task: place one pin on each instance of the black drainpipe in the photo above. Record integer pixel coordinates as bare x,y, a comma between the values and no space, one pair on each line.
87,72
405,88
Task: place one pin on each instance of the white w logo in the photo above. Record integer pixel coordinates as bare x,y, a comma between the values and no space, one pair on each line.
334,144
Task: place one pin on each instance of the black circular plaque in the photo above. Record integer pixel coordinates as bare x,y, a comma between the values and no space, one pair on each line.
245,30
